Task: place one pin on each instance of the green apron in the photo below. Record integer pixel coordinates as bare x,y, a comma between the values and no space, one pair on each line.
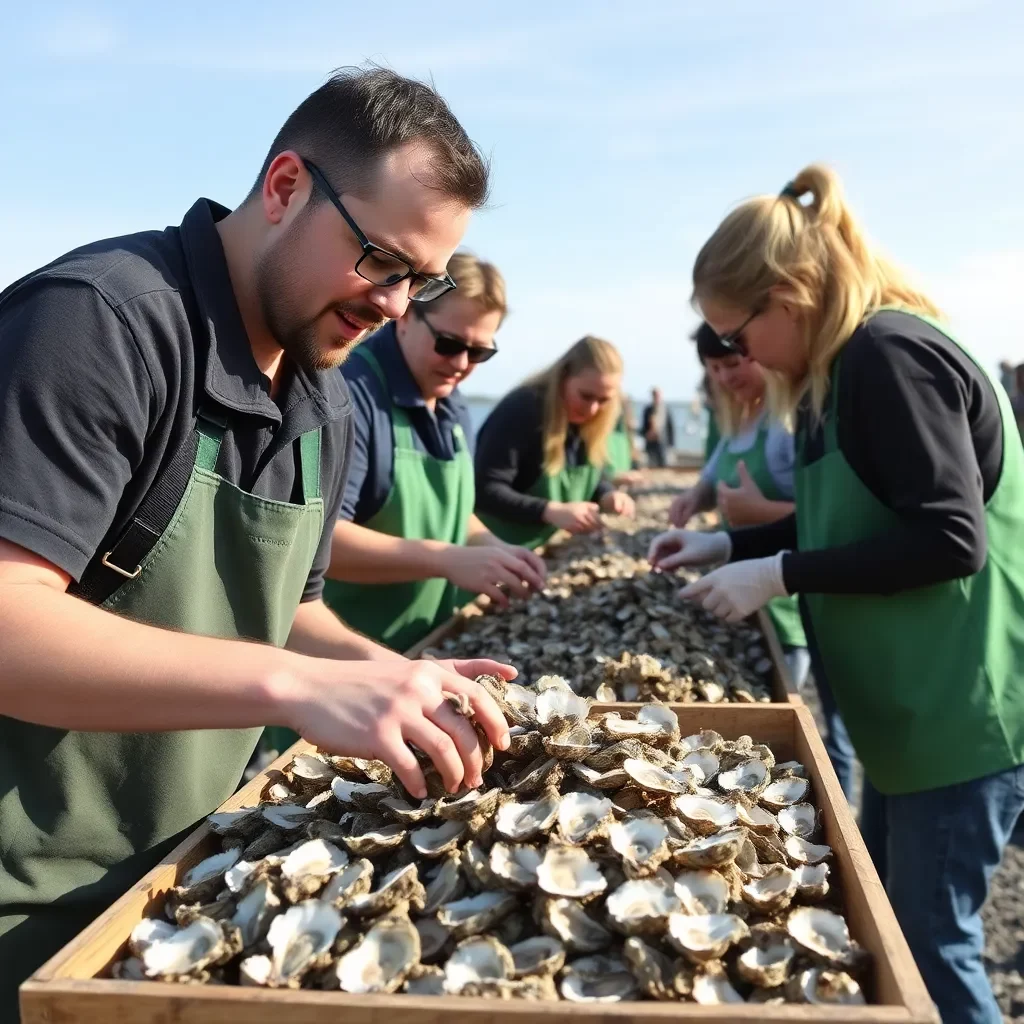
573,483
930,681
784,611
430,499
620,452
84,815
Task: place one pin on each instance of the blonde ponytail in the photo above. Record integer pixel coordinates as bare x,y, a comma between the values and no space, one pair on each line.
818,254
589,353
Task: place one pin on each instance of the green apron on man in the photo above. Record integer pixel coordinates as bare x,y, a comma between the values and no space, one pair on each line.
928,680
92,812
784,611
430,499
572,483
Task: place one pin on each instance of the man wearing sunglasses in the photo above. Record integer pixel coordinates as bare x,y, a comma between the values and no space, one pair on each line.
174,436
407,546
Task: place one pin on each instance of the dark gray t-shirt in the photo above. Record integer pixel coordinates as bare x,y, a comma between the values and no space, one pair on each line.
105,355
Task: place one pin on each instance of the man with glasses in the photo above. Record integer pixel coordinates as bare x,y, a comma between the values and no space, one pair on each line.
407,546
175,437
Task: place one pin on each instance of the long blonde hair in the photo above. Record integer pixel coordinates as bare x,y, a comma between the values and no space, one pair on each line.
819,255
589,353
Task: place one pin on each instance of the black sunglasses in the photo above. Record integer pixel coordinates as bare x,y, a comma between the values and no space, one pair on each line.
377,265
733,340
449,345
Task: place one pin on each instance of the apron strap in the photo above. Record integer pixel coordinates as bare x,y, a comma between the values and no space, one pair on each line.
309,462
106,572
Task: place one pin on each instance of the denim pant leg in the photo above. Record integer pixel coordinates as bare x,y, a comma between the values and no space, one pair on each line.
874,827
944,846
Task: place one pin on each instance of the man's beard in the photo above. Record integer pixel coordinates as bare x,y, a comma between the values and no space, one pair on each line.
275,275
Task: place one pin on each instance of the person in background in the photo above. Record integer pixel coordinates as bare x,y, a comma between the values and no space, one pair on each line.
1008,377
713,435
622,455
906,543
749,478
658,430
406,538
541,452
1017,401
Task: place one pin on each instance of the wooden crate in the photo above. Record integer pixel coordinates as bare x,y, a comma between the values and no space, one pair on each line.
75,985
783,690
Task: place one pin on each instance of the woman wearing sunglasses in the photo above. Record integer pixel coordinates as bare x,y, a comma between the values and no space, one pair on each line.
406,539
906,544
542,451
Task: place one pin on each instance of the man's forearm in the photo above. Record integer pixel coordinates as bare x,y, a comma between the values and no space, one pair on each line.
71,665
319,633
361,555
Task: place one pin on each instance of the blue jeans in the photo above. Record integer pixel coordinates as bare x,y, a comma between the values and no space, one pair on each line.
936,853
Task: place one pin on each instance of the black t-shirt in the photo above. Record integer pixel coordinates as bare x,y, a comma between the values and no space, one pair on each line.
918,422
510,458
104,356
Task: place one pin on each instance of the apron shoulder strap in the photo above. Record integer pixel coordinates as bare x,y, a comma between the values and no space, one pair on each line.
309,456
105,573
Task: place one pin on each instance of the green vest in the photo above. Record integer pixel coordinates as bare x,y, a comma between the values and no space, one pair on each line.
784,611
930,681
430,499
84,815
620,452
573,483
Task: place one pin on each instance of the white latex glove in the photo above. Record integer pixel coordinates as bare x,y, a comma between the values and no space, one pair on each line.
690,548
736,591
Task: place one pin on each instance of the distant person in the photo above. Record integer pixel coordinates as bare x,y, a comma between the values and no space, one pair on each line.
658,430
541,453
1008,377
406,538
622,455
1017,401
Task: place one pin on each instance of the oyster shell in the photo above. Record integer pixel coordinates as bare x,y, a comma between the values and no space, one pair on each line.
148,931
477,959
406,813
711,986
784,792
766,962
475,914
445,884
642,843
598,979
286,817
822,934
301,939
702,937
470,805
812,881
382,959
436,842
756,818
702,892
205,880
399,886
434,939
748,777
658,976
568,871
515,865
800,851
773,891
574,743
712,851
558,708
355,879
362,795
524,821
654,723
567,921
652,779
424,981
641,906
583,818
254,913
705,815
799,820
309,867
541,955
824,987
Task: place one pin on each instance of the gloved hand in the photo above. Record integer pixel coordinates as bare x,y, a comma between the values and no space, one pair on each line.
689,548
736,591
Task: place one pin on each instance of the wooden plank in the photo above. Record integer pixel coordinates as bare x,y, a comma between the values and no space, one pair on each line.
68,988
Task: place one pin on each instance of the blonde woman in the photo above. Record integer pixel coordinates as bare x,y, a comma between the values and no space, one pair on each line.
541,452
906,544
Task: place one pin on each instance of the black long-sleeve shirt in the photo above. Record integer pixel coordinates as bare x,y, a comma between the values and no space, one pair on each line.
510,458
919,423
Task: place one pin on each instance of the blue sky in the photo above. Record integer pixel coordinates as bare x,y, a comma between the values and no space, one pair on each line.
619,133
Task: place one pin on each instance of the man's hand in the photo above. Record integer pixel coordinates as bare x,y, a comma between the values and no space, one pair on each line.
691,549
574,516
743,505
618,503
486,568
736,591
376,709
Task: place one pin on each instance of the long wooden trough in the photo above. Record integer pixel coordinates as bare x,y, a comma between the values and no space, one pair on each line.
75,985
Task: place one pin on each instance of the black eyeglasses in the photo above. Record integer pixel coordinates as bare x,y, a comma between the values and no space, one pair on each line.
733,340
450,345
377,265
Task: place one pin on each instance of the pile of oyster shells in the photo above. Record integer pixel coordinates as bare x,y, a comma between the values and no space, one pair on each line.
605,858
619,632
